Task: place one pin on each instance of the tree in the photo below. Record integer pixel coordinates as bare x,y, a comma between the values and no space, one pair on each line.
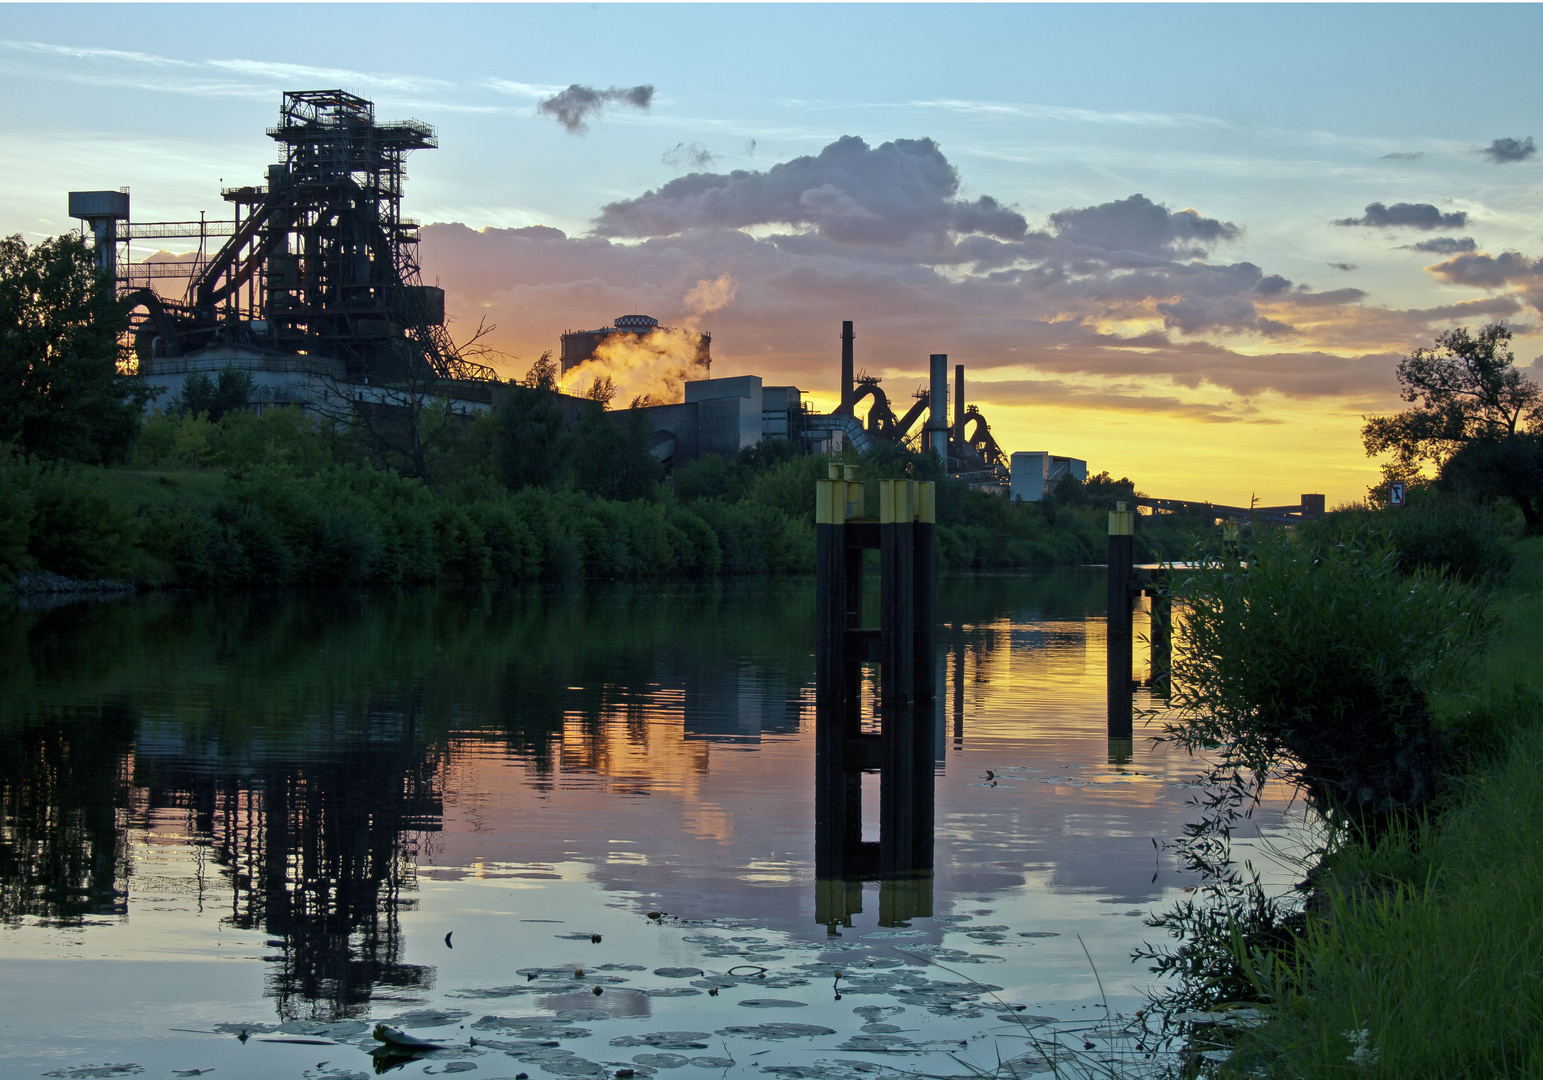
61,394
1466,388
1510,467
530,426
213,398
543,373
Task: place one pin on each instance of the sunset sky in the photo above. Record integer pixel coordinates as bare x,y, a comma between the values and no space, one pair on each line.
1186,243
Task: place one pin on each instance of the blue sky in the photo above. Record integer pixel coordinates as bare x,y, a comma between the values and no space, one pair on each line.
1272,121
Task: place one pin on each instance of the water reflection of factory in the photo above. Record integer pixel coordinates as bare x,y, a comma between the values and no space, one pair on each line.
318,838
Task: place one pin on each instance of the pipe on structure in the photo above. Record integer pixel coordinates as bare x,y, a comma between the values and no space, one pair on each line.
937,408
959,404
847,404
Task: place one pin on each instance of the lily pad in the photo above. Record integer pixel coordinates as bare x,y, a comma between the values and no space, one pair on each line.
706,1062
580,1016
90,1071
775,1031
772,1003
677,972
662,1061
665,1040
425,1018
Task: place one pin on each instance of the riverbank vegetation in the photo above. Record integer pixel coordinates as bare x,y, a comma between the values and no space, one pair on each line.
1407,703
214,494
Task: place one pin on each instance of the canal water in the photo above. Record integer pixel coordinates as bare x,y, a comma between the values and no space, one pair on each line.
558,834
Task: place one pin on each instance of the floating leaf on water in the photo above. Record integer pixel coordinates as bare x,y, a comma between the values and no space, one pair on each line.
1037,933
665,1040
873,1012
620,967
775,1031
772,1003
1029,1019
579,935
880,1029
532,1027
677,972
84,1072
671,991
579,1016
713,1062
250,1029
874,1042
423,1018
457,1066
661,1061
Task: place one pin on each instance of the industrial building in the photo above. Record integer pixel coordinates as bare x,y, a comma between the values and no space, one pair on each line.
579,346
313,287
1036,473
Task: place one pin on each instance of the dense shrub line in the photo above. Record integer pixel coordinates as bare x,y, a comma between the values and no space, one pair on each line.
518,494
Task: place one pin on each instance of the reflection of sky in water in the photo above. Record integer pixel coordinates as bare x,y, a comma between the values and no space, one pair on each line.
300,805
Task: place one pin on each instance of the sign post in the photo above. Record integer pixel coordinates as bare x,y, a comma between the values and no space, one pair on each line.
1396,494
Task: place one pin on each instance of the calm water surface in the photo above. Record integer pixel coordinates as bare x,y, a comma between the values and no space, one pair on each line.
284,817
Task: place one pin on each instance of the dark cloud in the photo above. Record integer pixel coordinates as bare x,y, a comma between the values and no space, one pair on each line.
1494,272
574,107
1505,151
882,235
849,193
1346,267
1443,245
690,155
1415,155
1407,216
1137,224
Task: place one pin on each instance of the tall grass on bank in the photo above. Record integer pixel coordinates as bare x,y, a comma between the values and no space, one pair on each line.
1421,955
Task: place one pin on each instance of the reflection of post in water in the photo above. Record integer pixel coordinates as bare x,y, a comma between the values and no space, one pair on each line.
902,750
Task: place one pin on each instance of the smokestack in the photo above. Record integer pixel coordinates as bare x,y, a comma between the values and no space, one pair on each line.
937,407
959,404
846,367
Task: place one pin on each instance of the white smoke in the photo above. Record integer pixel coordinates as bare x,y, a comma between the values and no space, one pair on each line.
656,365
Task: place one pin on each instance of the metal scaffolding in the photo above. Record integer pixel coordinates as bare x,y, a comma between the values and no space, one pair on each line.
316,261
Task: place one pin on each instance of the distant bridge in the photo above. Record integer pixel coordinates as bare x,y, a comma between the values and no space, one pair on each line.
1311,506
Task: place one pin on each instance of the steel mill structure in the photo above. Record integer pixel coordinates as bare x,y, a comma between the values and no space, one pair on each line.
316,272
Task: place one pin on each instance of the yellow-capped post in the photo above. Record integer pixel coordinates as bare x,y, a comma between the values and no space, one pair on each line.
1122,536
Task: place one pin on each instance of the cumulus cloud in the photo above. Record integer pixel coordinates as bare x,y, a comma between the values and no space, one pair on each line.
1407,216
1510,269
1443,245
849,193
574,107
1505,151
1140,225
883,235
688,155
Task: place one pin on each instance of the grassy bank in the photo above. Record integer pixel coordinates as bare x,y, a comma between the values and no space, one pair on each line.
277,500
1421,951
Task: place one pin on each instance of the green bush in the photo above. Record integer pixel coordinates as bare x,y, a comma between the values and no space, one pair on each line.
1323,659
75,529
1435,532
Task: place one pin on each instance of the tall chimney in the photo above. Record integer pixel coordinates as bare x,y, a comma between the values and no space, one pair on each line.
937,407
959,404
846,367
